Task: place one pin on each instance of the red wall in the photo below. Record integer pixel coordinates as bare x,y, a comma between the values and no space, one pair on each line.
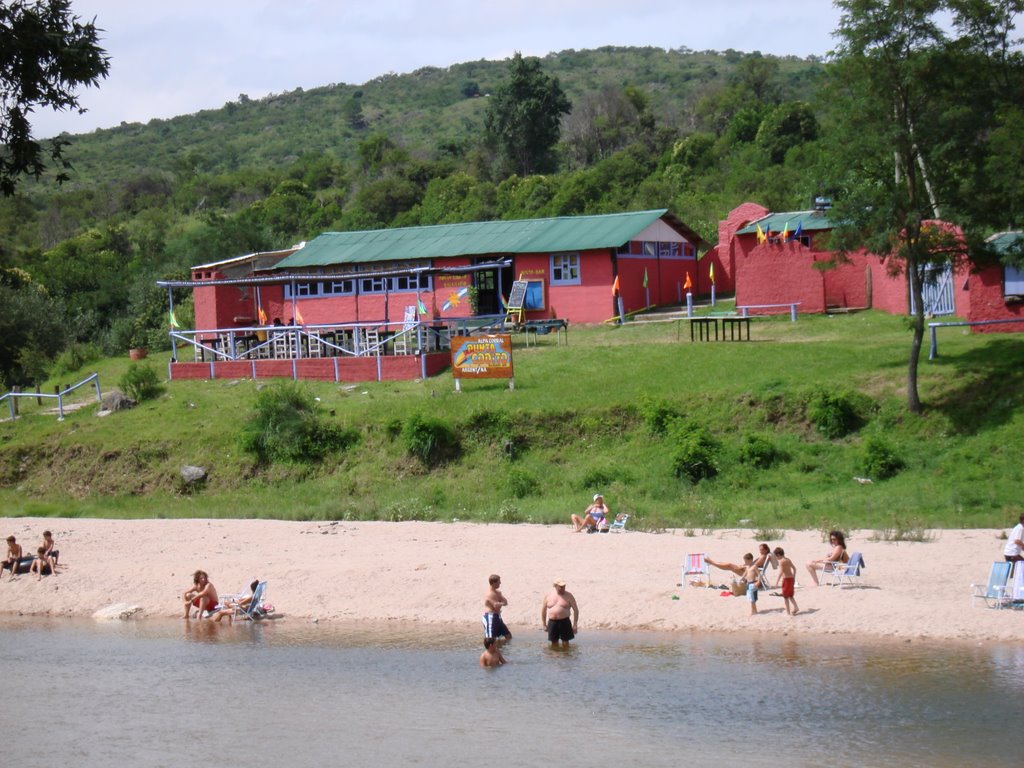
988,303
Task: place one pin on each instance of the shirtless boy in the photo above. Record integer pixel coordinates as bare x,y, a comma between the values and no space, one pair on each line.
202,595
751,577
41,561
554,615
788,573
494,626
491,657
13,556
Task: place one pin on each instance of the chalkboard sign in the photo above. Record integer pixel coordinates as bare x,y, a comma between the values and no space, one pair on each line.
518,295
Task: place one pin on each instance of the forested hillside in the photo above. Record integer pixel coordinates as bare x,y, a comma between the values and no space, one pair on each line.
577,132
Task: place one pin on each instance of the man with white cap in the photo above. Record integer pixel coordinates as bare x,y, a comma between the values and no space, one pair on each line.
554,615
595,518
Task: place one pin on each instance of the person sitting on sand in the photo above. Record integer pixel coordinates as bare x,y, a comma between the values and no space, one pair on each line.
13,556
491,657
48,544
739,570
837,555
41,562
594,518
202,595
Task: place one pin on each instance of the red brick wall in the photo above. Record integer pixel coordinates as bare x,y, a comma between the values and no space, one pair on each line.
988,303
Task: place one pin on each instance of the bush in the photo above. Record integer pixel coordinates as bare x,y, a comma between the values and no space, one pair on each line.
140,382
658,415
758,451
833,414
74,357
696,453
879,460
522,483
286,425
431,441
508,512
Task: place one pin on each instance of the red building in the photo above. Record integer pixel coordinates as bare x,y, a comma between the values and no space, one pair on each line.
776,260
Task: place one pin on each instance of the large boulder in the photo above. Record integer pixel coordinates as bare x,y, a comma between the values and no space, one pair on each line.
116,400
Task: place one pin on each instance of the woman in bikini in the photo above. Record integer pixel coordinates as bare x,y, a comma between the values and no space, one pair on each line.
837,555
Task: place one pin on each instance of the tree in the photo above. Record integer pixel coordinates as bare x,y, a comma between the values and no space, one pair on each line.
523,117
31,329
914,110
46,53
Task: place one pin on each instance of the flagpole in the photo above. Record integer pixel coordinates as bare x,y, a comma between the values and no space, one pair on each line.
174,342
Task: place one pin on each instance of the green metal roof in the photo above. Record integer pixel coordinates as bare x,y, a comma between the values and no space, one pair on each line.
777,222
567,233
1004,242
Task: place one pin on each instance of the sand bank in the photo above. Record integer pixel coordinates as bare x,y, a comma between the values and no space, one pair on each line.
436,573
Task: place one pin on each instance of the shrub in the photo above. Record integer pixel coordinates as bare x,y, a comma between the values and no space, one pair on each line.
758,451
508,512
879,460
658,415
74,357
522,483
696,453
286,424
140,382
431,441
833,414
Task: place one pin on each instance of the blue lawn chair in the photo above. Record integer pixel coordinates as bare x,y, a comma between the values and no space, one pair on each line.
994,591
254,610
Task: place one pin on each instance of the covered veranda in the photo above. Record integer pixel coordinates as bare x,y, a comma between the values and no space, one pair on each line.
412,346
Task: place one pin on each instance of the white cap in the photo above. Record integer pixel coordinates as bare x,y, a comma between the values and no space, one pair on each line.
598,496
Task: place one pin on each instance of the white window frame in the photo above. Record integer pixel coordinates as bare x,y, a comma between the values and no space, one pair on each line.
562,263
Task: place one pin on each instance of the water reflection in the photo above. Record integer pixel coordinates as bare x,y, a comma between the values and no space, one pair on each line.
377,693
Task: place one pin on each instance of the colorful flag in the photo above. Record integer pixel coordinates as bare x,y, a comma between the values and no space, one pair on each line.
711,273
421,306
262,315
761,236
298,316
645,277
785,232
615,286
688,285
799,230
173,319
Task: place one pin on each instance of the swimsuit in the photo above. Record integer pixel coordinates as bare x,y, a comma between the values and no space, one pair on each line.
560,629
752,592
788,585
494,626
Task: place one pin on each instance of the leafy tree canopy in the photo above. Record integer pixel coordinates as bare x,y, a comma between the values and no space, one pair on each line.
46,53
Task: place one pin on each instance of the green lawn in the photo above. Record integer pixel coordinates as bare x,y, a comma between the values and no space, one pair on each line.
576,423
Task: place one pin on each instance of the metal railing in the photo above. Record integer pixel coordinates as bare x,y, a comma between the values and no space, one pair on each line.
12,397
933,350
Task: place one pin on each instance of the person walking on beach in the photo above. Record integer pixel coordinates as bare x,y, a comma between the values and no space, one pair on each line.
751,577
1013,552
788,573
554,615
491,657
202,595
13,556
494,601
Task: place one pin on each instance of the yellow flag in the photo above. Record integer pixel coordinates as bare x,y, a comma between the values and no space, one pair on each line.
760,235
711,273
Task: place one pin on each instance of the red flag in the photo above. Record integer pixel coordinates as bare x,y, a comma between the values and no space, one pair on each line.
687,285
615,286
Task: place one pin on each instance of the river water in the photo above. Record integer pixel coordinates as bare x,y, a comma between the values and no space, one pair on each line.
179,694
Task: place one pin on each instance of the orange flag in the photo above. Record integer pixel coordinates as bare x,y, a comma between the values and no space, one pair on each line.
687,285
298,316
615,286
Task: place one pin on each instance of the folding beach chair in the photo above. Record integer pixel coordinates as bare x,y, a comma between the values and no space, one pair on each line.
254,610
619,524
845,573
695,564
762,573
994,591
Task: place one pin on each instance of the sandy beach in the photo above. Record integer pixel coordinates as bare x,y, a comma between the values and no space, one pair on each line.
436,574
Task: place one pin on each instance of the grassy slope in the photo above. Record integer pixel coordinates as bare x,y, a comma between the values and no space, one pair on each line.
575,426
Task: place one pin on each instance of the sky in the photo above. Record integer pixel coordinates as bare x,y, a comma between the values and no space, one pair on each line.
176,57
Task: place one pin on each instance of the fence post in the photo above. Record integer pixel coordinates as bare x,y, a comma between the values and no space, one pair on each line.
39,400
933,349
792,312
